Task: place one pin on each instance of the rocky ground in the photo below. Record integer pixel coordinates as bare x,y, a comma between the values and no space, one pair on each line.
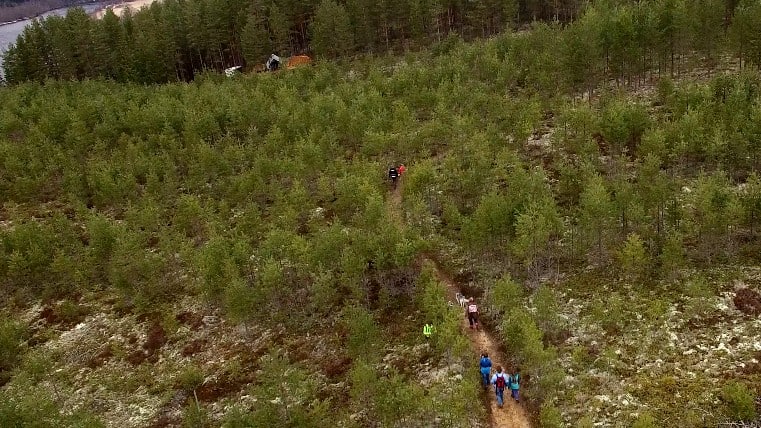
666,350
152,370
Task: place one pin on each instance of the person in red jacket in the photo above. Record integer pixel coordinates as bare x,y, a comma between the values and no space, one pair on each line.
402,169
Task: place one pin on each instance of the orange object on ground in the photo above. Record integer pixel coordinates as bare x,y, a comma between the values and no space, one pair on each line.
298,60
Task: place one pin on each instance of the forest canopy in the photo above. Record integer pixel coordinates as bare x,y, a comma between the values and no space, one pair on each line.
175,40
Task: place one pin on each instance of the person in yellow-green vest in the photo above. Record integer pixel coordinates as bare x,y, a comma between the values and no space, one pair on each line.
427,330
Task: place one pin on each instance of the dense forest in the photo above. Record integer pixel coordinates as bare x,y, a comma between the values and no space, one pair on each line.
596,184
176,39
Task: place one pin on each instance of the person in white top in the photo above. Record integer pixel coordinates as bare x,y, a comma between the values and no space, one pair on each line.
272,63
471,312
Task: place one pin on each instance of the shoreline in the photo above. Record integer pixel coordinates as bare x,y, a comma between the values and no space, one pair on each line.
13,22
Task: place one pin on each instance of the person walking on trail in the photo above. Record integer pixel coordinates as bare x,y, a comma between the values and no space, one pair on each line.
393,175
500,381
471,312
427,330
485,369
515,384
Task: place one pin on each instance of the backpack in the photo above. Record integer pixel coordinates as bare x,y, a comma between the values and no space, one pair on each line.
392,173
516,381
500,382
472,308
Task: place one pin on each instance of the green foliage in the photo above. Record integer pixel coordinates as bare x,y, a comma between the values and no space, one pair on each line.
254,39
596,209
533,231
432,295
610,313
672,256
550,416
396,401
740,401
645,420
585,422
191,378
547,306
332,33
363,334
266,194
287,396
31,407
622,125
12,335
632,257
525,338
506,295
194,416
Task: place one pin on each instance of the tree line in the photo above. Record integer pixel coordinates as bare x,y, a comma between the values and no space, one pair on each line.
177,39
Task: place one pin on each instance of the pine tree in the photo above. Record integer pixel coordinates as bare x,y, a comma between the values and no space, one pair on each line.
331,32
596,211
743,32
632,257
280,30
255,40
705,25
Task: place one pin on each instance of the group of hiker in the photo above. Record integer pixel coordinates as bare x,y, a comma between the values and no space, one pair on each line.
501,380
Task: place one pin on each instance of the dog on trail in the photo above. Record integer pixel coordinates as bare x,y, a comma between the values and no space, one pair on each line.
461,300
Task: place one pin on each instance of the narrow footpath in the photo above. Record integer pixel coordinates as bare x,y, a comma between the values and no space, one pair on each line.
512,415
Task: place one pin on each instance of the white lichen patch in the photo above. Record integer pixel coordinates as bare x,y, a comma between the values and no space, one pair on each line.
663,352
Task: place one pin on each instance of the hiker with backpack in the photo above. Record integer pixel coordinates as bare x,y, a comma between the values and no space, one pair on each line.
393,175
500,381
485,365
515,381
471,313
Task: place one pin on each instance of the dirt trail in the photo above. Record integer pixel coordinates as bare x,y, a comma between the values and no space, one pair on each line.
512,415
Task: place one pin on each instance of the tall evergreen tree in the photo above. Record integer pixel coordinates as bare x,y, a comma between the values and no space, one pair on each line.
331,30
255,40
280,29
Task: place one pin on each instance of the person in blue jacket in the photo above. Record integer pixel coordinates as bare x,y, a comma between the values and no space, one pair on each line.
485,369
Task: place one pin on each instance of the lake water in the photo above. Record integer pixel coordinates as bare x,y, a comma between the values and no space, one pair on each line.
9,32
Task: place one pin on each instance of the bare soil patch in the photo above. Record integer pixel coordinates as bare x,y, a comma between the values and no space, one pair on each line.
190,319
101,357
748,301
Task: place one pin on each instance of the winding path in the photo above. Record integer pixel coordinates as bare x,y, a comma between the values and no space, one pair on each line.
512,415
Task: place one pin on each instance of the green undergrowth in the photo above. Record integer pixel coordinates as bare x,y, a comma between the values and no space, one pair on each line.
230,250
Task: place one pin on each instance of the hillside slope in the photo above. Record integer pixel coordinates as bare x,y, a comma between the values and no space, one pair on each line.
228,252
